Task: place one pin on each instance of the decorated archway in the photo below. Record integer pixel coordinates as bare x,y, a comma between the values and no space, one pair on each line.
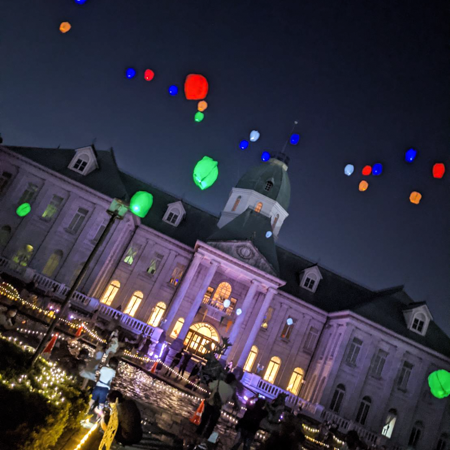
199,336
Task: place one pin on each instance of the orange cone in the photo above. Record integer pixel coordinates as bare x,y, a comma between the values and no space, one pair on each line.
197,417
79,331
48,349
153,369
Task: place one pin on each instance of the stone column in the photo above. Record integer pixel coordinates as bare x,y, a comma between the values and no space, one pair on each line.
181,291
198,300
246,306
256,327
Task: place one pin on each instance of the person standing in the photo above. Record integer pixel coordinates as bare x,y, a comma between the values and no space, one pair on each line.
185,361
175,361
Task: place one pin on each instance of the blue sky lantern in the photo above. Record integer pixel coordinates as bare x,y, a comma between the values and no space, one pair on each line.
377,169
80,2
295,138
140,203
130,72
265,156
349,169
268,234
243,145
410,155
254,136
173,90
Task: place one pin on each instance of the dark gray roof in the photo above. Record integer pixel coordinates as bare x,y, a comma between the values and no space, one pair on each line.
273,170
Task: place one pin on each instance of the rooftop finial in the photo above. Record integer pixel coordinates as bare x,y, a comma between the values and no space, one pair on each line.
282,154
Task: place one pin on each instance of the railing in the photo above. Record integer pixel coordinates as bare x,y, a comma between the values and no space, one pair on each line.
12,267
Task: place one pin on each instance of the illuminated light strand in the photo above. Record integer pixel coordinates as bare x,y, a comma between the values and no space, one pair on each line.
86,437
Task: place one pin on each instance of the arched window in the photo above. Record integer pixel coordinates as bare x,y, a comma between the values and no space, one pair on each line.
236,203
363,410
274,224
52,263
338,396
110,293
201,338
251,359
258,207
389,423
296,381
419,322
157,314
177,328
134,303
272,369
416,434
23,255
5,234
268,186
442,442
223,292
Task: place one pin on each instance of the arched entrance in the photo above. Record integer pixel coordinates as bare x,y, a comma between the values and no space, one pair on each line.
199,336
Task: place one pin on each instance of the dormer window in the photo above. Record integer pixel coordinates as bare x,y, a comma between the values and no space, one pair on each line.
174,214
269,186
84,161
309,282
81,163
311,278
417,317
419,322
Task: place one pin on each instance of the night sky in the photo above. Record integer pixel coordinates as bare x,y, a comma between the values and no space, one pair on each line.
365,79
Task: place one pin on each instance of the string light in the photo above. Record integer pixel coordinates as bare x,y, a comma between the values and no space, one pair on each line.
86,437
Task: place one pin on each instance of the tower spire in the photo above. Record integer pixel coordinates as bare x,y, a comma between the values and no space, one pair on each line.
281,155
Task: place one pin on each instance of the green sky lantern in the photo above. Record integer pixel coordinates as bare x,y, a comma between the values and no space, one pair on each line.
140,203
199,116
205,173
439,382
23,210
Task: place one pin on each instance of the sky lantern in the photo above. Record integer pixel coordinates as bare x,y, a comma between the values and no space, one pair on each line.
202,105
80,2
363,185
205,173
173,90
254,136
439,382
265,156
290,321
226,303
415,197
23,210
130,73
377,169
410,155
195,87
349,169
140,203
65,27
149,75
438,170
199,116
367,170
294,139
243,144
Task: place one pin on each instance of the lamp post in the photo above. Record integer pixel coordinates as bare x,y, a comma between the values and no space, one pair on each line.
116,210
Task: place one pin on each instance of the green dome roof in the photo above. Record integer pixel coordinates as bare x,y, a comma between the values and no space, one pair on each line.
275,171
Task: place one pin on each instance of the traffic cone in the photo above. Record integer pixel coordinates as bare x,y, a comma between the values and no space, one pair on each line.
48,349
197,417
79,331
153,369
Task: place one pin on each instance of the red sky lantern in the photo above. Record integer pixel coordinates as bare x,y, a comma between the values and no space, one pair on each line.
195,87
367,170
149,75
438,170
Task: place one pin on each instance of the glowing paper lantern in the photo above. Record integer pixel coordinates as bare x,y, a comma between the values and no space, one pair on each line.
202,105
265,156
238,311
254,136
290,321
363,185
415,197
367,170
140,203
65,27
439,382
410,155
80,2
205,172
195,87
173,90
243,145
295,138
349,169
268,234
23,210
130,73
226,303
438,170
149,75
377,169
199,116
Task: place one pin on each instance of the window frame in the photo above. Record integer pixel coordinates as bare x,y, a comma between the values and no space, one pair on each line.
271,373
110,293
338,397
29,194
354,351
156,261
157,314
81,163
404,374
378,363
5,181
251,359
77,221
363,410
131,308
311,339
52,208
296,381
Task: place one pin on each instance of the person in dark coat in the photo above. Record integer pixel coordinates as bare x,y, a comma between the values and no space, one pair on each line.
175,361
184,362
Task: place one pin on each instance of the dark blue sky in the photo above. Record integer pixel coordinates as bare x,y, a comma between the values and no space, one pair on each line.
366,81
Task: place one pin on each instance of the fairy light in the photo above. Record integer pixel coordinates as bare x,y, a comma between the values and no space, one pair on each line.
86,437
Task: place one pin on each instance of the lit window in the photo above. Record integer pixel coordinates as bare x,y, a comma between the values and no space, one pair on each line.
78,220
267,317
154,263
378,363
81,163
268,186
363,410
415,435
296,381
52,207
28,194
100,231
5,234
177,328
311,339
287,330
23,255
355,347
134,303
222,293
131,254
251,359
309,282
258,207
5,178
274,224
176,274
272,369
236,203
157,314
405,374
110,293
208,295
338,396
52,263
389,423
418,322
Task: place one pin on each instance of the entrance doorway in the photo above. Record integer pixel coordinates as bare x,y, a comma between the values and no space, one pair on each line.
199,337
